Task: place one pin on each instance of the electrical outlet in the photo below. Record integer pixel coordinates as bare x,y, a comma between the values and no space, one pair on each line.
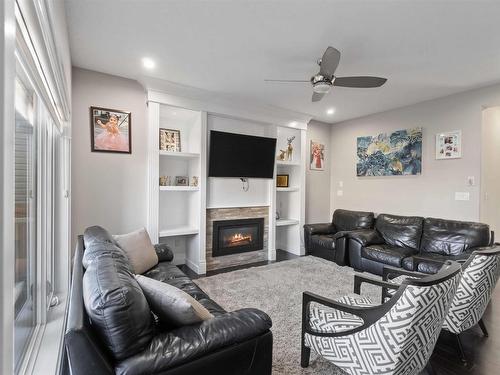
341,183
340,193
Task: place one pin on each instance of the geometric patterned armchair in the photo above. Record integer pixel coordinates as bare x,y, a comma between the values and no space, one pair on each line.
396,337
480,274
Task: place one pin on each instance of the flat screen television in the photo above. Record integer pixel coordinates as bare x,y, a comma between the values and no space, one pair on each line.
238,155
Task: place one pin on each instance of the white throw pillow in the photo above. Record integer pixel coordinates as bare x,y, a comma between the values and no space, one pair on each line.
139,249
172,305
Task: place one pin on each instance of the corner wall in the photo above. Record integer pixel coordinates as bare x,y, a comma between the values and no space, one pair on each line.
108,189
433,192
318,182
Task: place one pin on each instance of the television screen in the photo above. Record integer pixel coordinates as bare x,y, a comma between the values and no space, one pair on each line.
238,155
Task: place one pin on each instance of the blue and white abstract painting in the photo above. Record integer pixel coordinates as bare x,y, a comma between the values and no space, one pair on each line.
394,154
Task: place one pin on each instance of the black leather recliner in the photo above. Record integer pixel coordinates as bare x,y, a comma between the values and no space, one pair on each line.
238,342
330,240
414,243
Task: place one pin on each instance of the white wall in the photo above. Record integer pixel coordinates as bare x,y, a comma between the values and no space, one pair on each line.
228,192
108,189
490,170
432,193
318,182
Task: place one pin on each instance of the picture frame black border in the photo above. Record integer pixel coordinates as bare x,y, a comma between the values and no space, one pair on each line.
92,144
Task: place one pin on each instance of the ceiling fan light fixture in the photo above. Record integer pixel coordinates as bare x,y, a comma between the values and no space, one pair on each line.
322,87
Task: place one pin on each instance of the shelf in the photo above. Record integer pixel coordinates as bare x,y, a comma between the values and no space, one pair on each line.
291,188
284,162
189,155
178,231
179,188
286,222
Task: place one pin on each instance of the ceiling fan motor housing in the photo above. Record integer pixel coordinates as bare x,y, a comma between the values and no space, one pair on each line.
321,84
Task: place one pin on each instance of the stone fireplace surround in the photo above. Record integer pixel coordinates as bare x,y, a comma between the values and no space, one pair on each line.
215,214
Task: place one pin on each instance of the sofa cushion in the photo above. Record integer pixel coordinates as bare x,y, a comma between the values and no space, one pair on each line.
139,249
346,220
116,305
323,240
449,237
430,263
400,231
386,254
172,305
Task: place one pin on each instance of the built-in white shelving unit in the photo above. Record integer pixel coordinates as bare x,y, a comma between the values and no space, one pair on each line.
177,213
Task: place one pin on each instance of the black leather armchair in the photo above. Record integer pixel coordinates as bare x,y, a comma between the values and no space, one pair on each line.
238,342
330,240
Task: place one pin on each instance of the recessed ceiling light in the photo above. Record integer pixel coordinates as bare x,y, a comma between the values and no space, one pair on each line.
293,123
148,63
330,111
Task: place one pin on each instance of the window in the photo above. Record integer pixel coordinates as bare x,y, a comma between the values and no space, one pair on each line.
25,217
37,180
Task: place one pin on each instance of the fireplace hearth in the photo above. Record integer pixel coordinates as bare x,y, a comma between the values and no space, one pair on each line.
237,236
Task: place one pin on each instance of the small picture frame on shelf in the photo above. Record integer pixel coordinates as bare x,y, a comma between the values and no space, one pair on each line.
170,140
181,181
194,181
282,180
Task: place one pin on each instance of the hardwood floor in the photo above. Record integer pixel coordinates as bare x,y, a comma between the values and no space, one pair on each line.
483,353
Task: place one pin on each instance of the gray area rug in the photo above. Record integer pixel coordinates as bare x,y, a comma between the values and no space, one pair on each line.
277,289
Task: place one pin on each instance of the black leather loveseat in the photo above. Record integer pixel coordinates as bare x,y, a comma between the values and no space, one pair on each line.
330,240
238,342
414,243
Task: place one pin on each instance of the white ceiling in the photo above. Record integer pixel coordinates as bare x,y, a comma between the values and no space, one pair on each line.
426,49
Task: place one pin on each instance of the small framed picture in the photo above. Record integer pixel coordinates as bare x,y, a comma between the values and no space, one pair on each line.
449,145
282,180
110,130
181,181
317,156
170,140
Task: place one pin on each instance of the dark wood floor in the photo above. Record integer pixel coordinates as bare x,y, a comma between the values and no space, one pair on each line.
483,353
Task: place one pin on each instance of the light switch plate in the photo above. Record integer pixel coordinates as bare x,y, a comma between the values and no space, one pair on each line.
462,196
340,193
341,183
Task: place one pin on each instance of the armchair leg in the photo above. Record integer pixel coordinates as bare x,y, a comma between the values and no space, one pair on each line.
463,358
483,327
429,369
305,353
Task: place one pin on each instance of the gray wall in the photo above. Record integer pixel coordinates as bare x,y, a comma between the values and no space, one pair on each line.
318,182
108,189
433,192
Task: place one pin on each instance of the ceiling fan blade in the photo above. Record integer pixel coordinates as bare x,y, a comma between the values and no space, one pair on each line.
359,82
329,62
317,96
287,80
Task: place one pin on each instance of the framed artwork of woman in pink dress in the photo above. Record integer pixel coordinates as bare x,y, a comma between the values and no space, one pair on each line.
110,130
317,160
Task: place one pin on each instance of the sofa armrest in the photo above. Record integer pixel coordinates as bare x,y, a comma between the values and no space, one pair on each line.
321,228
366,237
169,349
164,253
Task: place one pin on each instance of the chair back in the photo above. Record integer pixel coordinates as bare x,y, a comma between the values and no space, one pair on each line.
479,277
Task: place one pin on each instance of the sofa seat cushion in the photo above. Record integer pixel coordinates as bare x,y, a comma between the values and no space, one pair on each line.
449,237
386,254
430,263
323,240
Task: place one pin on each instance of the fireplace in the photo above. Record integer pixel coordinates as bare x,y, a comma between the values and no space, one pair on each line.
237,236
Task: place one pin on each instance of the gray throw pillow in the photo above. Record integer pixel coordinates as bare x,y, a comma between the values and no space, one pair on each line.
172,305
139,249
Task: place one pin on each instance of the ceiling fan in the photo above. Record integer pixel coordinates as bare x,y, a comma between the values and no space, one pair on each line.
325,79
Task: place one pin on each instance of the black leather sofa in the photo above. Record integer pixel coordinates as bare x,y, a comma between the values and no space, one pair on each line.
330,240
415,243
238,342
